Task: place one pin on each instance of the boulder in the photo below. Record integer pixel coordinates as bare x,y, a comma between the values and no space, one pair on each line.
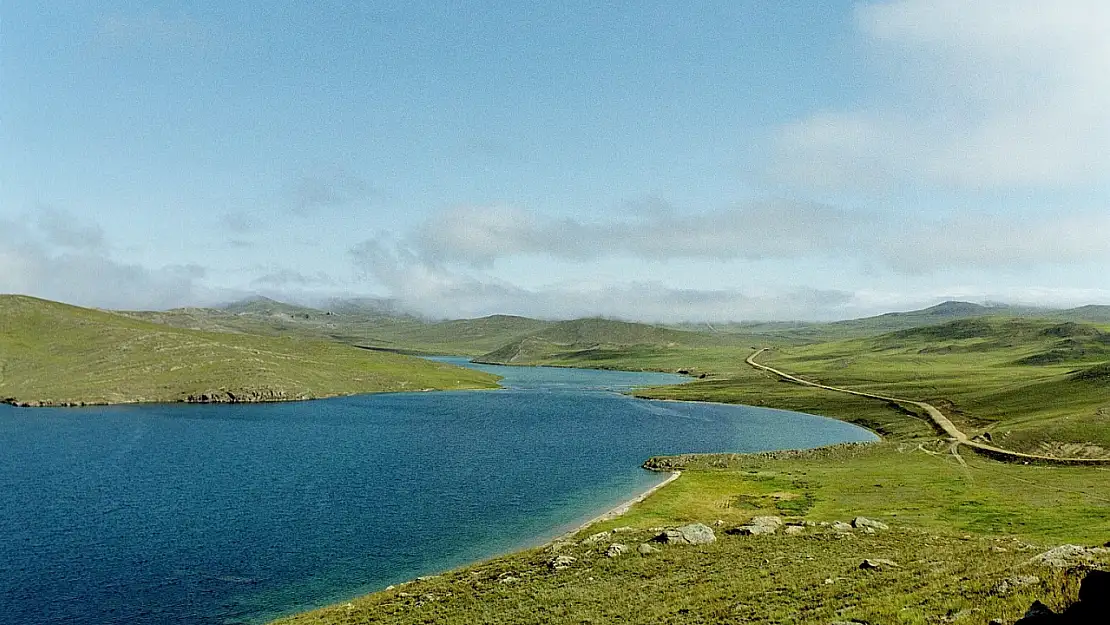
1067,556
752,530
759,525
794,530
841,526
862,521
646,549
616,550
596,538
559,563
693,534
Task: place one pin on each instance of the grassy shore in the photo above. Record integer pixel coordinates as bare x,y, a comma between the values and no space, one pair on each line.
55,354
964,530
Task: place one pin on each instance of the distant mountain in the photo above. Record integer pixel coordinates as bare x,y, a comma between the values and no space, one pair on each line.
1093,313
259,305
573,339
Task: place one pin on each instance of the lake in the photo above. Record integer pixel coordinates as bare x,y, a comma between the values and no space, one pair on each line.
228,514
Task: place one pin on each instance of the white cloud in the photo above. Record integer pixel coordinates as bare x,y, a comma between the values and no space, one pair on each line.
987,94
478,236
440,292
57,256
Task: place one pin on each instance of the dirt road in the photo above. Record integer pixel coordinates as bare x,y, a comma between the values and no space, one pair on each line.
938,418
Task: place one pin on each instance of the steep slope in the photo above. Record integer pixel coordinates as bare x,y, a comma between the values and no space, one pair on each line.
53,353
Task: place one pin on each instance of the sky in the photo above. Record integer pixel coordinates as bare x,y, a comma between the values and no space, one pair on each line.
656,161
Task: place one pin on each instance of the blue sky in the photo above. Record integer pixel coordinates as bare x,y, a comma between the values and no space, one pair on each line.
722,160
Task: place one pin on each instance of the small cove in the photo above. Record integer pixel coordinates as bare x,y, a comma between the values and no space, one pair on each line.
240,513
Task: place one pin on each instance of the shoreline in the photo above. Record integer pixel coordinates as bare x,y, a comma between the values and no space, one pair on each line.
612,513
618,510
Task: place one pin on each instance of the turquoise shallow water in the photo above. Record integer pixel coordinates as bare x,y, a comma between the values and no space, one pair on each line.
235,514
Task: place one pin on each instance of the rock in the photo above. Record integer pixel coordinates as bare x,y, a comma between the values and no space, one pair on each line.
862,521
1010,584
1066,556
559,563
794,530
693,534
623,530
616,550
646,549
596,538
841,526
508,579
751,530
759,525
877,563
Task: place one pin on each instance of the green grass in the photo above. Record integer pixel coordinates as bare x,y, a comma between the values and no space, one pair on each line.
55,353
960,523
955,532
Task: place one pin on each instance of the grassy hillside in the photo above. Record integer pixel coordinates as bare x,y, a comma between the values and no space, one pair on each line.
608,343
353,324
1030,385
54,353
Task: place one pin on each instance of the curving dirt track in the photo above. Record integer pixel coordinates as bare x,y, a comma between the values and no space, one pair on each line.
938,418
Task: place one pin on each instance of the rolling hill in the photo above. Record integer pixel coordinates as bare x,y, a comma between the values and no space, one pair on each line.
56,354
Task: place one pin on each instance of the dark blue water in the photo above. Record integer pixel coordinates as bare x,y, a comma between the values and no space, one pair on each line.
236,514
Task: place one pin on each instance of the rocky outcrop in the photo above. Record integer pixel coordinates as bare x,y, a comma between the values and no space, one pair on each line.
559,563
241,396
616,550
693,534
1067,556
864,522
758,525
49,403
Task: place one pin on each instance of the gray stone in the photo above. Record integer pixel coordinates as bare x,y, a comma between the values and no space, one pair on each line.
862,521
1066,556
752,530
841,526
693,534
794,530
877,563
559,563
596,538
1010,584
646,549
759,525
616,550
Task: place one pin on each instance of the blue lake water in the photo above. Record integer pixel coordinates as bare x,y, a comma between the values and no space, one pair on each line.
222,514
